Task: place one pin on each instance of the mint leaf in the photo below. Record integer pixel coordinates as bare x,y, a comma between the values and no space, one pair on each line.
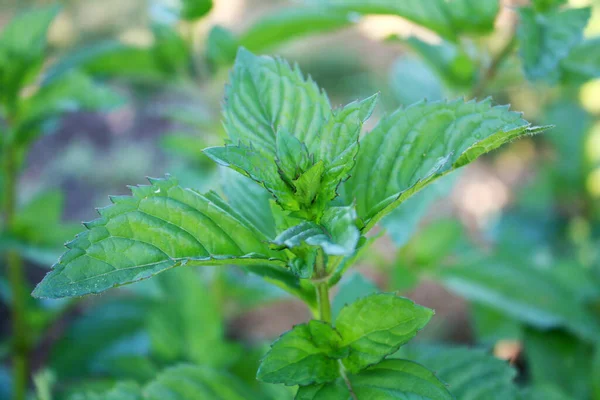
376,326
469,373
266,95
303,356
160,227
121,391
308,186
337,234
545,5
221,46
547,38
388,380
292,156
414,146
543,392
448,19
260,168
351,288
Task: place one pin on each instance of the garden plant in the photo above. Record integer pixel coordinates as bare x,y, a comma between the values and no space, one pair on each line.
328,188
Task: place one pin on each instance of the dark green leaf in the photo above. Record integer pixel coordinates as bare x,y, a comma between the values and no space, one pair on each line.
160,227
388,380
305,355
376,326
546,39
543,392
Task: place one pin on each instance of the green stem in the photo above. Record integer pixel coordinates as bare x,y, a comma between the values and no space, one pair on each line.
346,380
322,288
17,281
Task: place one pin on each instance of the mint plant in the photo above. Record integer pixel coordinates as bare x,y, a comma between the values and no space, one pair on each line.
323,187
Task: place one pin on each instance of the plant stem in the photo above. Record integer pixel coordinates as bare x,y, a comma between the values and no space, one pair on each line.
491,71
17,281
322,288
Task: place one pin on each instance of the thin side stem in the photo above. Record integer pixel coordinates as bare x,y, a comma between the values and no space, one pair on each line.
492,70
346,380
322,288
17,281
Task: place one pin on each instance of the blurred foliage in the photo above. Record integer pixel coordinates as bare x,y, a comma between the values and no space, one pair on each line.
530,273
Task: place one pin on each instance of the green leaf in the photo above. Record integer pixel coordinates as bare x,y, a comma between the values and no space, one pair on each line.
73,92
257,166
308,185
596,372
351,289
522,292
184,322
160,227
121,391
22,47
266,95
449,19
414,146
305,355
291,156
195,9
546,350
376,326
469,373
545,5
583,63
337,235
250,200
413,80
450,62
546,39
289,23
388,380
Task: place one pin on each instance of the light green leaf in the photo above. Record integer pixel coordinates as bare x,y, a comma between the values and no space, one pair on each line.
266,95
545,5
376,326
160,227
448,18
337,234
546,39
305,355
195,9
583,63
257,166
22,47
388,380
414,146
522,292
545,350
351,289
121,391
469,373
308,185
289,23
412,80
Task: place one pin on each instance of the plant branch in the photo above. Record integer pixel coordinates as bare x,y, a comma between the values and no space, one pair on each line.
17,281
490,73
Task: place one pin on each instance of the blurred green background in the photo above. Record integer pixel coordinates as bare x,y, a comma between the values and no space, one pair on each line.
507,252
